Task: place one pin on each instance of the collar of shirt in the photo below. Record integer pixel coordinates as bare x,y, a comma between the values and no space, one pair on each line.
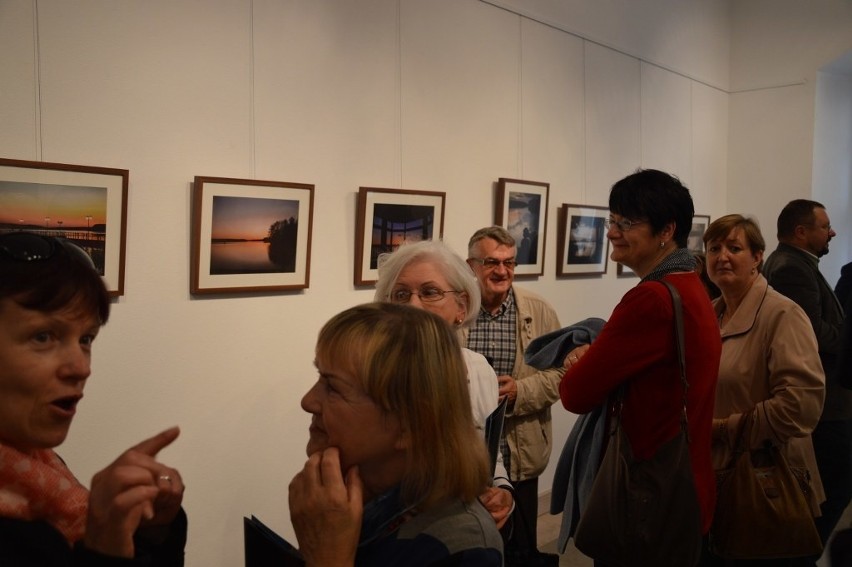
505,307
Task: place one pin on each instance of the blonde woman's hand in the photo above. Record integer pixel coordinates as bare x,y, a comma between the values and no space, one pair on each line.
326,510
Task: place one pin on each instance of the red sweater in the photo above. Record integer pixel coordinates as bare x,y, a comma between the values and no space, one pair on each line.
638,347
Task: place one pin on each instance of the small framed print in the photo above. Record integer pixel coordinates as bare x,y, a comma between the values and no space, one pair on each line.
695,240
623,271
250,235
83,204
522,210
388,217
582,248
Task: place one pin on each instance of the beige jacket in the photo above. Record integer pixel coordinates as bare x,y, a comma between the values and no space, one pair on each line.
770,362
528,424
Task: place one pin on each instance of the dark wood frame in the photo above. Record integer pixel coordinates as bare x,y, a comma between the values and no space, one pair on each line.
204,189
705,219
368,197
505,188
564,265
114,234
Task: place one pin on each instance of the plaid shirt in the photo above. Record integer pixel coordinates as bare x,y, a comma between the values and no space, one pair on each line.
494,337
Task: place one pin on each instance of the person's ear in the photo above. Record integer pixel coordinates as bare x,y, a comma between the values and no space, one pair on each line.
461,312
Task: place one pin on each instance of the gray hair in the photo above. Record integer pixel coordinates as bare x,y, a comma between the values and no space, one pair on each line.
459,275
496,233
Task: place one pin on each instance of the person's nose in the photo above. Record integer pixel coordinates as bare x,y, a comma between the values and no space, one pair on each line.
415,301
310,401
76,363
612,231
831,233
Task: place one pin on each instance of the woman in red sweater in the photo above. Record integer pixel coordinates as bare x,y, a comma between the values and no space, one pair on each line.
650,218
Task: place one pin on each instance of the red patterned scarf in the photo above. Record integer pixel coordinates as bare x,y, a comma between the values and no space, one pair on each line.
38,486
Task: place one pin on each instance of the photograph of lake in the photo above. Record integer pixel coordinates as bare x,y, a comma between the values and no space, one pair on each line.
253,235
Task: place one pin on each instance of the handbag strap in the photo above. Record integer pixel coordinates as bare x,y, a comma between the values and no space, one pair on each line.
677,308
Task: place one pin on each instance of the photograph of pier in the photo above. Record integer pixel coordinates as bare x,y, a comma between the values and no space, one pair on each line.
74,212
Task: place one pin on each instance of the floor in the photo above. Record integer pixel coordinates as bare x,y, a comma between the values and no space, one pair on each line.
548,531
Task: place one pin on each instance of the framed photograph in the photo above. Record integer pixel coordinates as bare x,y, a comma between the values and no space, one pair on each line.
695,240
250,235
522,210
388,217
582,248
84,204
623,271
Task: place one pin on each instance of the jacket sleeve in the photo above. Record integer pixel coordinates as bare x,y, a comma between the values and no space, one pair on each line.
796,382
537,389
636,338
799,284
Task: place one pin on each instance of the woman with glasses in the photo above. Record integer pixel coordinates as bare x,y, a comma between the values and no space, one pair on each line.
429,275
635,354
395,462
52,305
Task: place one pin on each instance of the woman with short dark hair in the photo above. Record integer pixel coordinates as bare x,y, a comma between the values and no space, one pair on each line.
52,305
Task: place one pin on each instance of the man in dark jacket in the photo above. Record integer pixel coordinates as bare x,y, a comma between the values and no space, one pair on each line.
804,231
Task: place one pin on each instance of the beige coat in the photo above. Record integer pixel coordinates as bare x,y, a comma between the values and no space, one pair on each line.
770,362
528,427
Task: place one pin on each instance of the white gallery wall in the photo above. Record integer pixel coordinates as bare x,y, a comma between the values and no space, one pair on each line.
789,121
441,95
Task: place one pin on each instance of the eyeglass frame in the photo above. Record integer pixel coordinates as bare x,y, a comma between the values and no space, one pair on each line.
441,293
624,225
493,263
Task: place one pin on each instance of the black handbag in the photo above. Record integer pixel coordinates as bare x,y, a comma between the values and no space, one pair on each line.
644,512
761,509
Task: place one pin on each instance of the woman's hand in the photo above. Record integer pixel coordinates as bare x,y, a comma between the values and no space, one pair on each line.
574,356
498,501
326,510
135,490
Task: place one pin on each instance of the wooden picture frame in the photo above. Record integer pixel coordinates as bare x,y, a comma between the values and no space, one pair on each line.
623,271
522,210
695,240
388,217
86,205
583,248
250,235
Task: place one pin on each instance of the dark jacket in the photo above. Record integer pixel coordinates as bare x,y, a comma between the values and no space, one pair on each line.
38,544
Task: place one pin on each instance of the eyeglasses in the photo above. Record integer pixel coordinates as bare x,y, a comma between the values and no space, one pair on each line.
30,247
426,294
492,263
623,225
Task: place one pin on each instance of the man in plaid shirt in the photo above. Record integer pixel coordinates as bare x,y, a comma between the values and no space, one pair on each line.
509,319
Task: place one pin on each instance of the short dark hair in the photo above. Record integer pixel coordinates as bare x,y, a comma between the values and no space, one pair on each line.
63,280
656,196
795,213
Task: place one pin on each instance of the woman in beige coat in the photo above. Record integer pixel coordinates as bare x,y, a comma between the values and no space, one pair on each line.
770,368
